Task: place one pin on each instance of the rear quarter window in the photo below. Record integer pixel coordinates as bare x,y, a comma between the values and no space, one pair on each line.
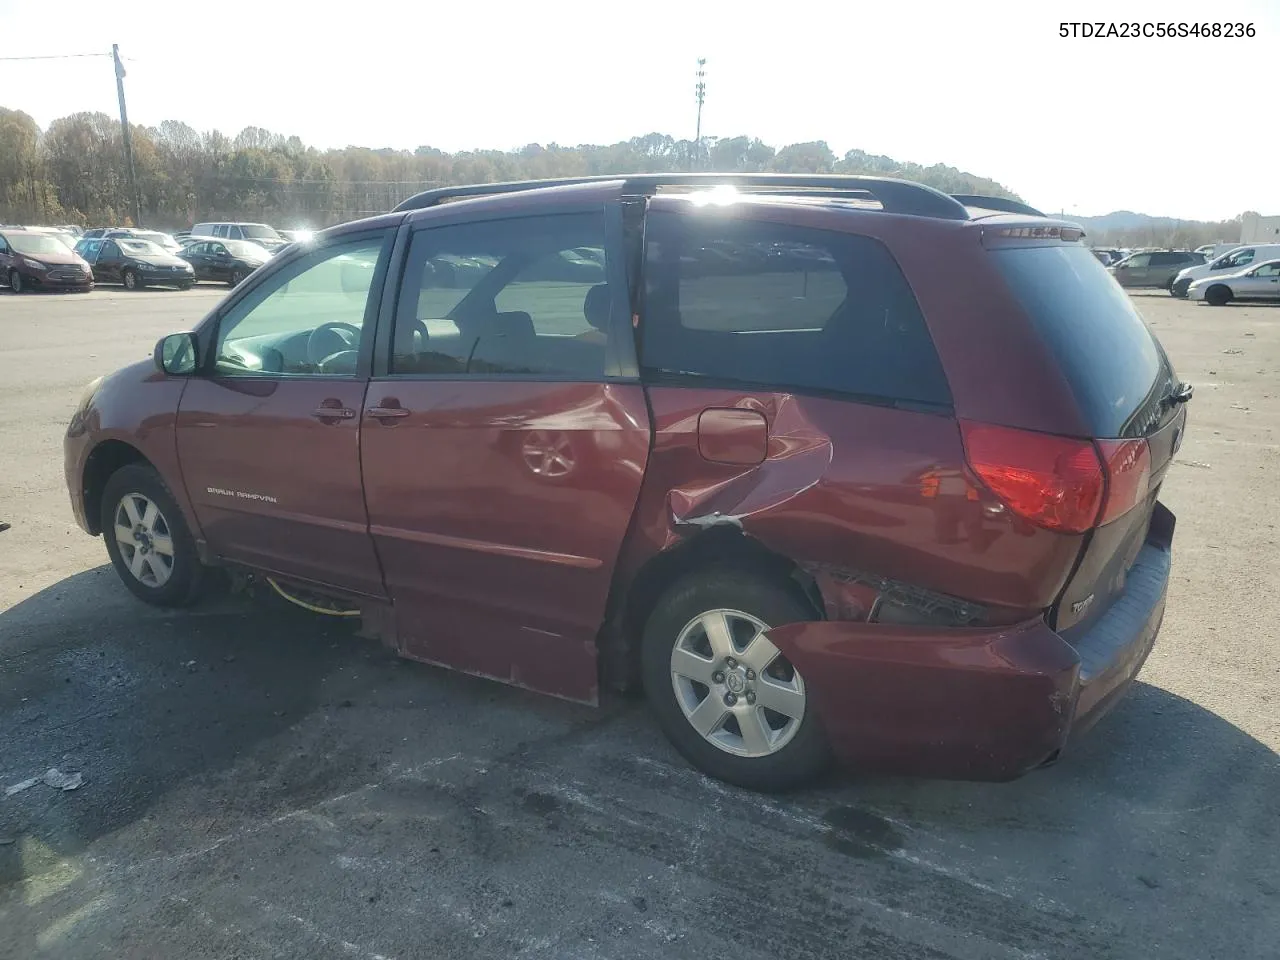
1107,353
784,308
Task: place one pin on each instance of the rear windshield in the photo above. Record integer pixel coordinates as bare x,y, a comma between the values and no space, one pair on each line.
1109,357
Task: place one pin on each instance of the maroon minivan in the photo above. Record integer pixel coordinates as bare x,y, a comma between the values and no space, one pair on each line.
832,466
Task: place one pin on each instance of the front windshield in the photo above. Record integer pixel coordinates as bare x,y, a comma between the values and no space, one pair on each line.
141,248
35,244
259,231
242,248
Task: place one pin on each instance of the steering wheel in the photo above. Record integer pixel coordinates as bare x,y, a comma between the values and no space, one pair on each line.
330,339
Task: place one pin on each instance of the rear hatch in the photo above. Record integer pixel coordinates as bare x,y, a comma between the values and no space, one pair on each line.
1130,400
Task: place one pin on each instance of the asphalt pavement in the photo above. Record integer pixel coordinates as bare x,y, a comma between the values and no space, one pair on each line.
256,782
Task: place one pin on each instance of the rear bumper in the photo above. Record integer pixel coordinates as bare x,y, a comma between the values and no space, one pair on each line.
977,703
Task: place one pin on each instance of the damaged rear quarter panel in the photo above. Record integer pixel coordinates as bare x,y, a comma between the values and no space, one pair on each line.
850,485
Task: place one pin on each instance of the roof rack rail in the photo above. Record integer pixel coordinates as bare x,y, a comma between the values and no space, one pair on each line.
894,196
999,204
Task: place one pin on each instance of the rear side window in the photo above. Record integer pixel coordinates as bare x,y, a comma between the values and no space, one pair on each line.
783,307
1107,354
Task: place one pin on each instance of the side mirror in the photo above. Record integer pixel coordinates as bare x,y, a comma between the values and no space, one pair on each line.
176,354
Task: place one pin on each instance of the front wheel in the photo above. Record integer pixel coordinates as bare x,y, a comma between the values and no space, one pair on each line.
131,280
1179,288
1218,296
724,695
184,286
16,283
148,540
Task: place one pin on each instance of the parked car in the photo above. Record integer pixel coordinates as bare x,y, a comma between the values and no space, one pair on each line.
39,260
228,261
1153,269
135,263
1211,251
1261,282
798,500
1229,263
260,233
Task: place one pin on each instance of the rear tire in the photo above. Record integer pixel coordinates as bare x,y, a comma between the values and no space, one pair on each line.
1218,296
16,283
148,540
237,277
739,738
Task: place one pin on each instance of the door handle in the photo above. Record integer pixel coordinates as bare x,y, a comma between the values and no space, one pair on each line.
387,413
333,413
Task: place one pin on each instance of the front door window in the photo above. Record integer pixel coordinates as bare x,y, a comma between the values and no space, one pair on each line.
309,320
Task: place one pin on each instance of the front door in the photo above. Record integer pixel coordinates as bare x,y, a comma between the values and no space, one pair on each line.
106,267
217,262
197,254
1262,283
501,462
1135,270
268,437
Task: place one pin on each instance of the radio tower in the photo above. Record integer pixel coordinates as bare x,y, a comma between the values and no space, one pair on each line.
701,90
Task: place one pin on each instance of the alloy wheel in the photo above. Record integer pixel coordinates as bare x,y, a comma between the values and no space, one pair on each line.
145,540
734,686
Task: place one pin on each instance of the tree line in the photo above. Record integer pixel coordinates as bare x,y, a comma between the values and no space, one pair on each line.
74,172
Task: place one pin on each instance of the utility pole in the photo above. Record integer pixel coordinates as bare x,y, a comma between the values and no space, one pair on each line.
128,138
700,89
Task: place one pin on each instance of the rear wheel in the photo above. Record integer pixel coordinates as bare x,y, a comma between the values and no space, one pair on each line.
725,696
16,283
131,280
148,540
1218,296
237,275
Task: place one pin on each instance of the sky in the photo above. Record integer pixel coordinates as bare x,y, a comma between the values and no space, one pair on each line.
1175,127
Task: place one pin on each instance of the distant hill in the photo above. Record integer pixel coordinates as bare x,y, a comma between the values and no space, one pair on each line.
1128,229
1128,220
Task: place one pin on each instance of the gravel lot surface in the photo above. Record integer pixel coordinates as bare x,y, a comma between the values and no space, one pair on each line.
258,783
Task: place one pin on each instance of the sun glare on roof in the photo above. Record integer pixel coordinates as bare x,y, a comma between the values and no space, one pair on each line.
716,196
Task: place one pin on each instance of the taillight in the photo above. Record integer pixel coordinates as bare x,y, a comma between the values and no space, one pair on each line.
1054,482
1057,482
1128,466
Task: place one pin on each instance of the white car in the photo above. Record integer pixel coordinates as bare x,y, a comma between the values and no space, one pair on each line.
1245,255
1253,283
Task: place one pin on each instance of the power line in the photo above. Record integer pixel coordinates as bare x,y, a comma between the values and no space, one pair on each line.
58,56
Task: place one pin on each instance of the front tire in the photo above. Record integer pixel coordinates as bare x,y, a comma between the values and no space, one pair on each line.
16,283
1218,296
148,540
724,695
132,281
1180,288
